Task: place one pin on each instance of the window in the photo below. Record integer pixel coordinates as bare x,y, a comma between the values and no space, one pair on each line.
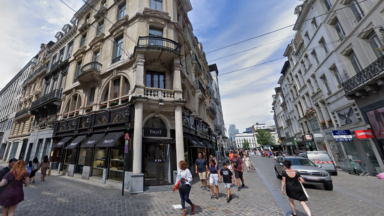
78,70
126,86
304,66
155,80
61,55
156,4
315,56
92,96
328,4
356,9
118,47
375,43
96,56
335,72
153,32
307,36
106,95
54,59
82,41
121,11
339,29
324,45
100,28
325,82
116,88
314,23
54,85
69,50
355,62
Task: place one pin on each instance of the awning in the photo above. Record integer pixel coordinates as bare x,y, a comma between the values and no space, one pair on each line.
75,143
91,142
193,141
62,142
209,144
200,142
110,139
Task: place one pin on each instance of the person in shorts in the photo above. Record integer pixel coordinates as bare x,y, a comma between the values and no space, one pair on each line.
229,166
214,176
201,168
227,177
238,169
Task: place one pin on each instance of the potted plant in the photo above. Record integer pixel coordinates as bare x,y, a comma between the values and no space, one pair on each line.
103,105
124,100
113,103
65,115
71,114
329,121
88,109
322,123
76,113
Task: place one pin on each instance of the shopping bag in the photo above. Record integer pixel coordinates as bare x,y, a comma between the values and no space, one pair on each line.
305,192
49,172
177,185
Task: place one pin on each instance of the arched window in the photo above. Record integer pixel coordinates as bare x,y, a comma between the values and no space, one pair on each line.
118,118
126,86
101,121
116,88
120,88
155,122
73,104
106,95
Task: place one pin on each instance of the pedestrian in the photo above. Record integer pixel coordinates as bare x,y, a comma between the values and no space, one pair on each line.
229,166
292,181
214,177
247,162
8,168
201,168
212,158
45,164
185,178
29,167
238,169
227,177
13,193
230,155
241,154
36,167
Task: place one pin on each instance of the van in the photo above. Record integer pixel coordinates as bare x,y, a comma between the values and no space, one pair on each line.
322,159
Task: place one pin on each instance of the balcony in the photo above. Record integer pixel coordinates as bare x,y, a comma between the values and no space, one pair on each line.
200,86
366,80
211,112
156,93
116,59
101,12
54,96
22,112
90,73
157,43
38,71
198,63
85,26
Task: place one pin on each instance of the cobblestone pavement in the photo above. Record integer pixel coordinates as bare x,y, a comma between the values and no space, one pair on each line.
61,195
352,195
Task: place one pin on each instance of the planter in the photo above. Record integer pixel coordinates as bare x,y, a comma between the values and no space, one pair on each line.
102,106
65,116
71,114
88,109
124,100
76,113
113,103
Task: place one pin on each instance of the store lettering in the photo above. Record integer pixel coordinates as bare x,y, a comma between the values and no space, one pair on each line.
108,141
364,133
157,132
91,142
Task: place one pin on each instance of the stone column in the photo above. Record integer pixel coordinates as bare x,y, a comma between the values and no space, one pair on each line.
137,178
177,79
179,134
139,78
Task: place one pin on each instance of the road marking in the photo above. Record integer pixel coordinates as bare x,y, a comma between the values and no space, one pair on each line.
276,194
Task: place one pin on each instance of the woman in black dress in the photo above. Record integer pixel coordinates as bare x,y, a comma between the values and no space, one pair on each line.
291,181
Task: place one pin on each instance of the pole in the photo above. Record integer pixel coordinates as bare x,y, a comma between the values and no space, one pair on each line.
125,155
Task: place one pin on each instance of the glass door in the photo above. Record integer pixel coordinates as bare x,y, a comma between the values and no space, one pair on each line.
157,164
150,177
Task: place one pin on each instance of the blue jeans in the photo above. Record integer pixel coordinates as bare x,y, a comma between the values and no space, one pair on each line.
185,197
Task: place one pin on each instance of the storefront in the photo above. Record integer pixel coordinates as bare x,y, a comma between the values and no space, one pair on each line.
57,153
72,153
290,146
309,142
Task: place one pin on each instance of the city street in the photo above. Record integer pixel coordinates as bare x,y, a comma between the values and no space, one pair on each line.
352,195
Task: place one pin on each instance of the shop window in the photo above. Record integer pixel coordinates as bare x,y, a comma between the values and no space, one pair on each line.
99,162
155,122
101,121
118,118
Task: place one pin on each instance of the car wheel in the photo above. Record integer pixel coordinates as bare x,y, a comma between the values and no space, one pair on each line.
328,186
335,173
277,174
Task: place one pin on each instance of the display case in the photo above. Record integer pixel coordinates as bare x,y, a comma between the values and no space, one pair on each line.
99,162
67,158
116,165
81,161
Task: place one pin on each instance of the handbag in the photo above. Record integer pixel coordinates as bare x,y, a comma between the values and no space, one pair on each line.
49,172
183,187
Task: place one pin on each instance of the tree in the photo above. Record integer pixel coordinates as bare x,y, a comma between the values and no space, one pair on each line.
245,144
265,138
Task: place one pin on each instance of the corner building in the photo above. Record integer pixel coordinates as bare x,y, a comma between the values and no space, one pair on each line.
136,70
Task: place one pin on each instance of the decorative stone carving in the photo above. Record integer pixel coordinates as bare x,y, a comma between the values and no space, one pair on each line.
119,24
96,42
156,13
80,51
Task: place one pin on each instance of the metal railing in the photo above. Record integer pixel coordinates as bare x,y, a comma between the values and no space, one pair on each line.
56,94
22,112
158,42
365,75
54,65
35,73
198,63
92,66
212,111
200,86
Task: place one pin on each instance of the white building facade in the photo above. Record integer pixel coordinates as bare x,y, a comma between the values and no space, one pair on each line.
241,138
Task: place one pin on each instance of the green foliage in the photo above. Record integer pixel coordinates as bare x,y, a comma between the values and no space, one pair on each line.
265,138
245,144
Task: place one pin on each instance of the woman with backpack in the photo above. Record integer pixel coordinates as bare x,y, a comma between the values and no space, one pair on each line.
45,164
35,168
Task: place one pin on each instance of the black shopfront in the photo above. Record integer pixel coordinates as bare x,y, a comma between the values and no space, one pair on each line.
93,143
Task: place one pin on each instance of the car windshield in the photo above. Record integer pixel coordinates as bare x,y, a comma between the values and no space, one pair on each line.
300,162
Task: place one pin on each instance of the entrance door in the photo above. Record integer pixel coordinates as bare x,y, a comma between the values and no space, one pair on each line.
29,152
2,150
23,149
157,164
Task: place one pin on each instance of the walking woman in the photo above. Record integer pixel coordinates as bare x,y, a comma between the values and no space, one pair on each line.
35,168
292,183
13,193
45,164
247,162
185,177
214,178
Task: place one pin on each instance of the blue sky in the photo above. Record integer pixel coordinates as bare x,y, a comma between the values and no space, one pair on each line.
246,95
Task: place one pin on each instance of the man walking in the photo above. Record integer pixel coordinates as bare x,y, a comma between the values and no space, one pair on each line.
8,168
238,169
201,168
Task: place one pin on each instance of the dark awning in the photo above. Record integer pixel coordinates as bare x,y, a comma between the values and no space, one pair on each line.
110,139
194,142
91,142
209,144
202,145
75,143
62,142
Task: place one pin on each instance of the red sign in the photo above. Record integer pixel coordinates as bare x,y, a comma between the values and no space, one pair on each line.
364,134
126,137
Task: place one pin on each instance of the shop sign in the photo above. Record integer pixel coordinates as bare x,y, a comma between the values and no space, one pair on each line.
342,135
155,132
364,134
308,138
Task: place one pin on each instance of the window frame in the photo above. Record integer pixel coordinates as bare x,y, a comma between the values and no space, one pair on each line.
83,40
355,63
373,38
118,46
155,6
121,10
339,29
100,25
356,10
328,4
92,92
152,73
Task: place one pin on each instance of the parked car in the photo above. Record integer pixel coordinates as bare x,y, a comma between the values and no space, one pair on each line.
321,158
311,173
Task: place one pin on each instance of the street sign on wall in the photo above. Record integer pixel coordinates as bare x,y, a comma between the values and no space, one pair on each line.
342,135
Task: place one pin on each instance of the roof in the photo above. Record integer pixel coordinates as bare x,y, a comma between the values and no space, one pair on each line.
285,67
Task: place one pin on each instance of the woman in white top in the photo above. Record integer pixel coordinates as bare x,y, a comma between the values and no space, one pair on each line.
247,162
186,178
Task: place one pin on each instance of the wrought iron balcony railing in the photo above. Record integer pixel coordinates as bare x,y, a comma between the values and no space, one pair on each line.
364,76
158,42
198,63
92,66
22,112
211,111
35,73
56,94
200,86
54,65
